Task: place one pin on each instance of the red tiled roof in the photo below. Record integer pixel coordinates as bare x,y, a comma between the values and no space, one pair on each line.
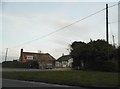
36,55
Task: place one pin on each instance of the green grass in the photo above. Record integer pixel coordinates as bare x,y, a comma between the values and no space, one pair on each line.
78,78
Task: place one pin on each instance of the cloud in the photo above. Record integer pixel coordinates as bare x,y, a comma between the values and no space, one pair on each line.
41,24
64,36
60,0
57,23
16,20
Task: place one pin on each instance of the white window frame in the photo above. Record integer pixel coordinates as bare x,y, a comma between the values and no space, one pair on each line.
29,57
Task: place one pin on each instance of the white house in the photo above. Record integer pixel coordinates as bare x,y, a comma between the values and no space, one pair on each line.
64,61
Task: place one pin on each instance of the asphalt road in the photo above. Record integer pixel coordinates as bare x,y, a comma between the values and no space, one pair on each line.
19,83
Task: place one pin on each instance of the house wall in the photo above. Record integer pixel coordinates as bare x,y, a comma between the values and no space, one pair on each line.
45,61
58,64
64,64
46,65
70,61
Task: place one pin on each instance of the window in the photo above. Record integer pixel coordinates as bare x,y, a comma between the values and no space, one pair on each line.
29,57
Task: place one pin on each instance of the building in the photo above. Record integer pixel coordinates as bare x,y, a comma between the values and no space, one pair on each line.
65,61
44,60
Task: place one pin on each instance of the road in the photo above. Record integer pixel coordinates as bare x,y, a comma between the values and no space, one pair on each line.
19,83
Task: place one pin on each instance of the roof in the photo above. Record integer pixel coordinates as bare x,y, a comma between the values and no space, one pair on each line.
46,56
40,55
64,58
32,53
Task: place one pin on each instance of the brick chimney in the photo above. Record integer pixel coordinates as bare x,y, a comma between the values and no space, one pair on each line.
21,51
21,55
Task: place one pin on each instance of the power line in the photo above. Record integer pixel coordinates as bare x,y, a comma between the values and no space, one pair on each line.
114,22
61,28
64,26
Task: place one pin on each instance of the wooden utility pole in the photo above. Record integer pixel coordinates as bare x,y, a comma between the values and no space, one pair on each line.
113,40
6,54
107,36
107,24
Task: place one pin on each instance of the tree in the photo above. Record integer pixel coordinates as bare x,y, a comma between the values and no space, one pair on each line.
118,53
99,54
78,49
100,49
92,55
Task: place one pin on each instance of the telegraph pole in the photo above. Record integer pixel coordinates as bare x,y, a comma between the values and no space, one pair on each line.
6,54
107,23
113,40
107,28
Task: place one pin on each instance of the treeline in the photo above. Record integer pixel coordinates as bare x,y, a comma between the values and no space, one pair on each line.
16,64
96,55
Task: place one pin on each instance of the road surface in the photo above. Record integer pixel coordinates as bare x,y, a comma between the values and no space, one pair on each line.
19,83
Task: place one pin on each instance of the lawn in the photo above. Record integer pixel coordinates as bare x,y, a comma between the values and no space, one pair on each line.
77,78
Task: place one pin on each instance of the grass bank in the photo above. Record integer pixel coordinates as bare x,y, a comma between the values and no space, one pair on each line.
77,78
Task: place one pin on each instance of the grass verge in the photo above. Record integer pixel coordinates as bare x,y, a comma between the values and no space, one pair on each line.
75,78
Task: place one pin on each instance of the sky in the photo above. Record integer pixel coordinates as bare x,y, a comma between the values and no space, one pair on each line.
23,22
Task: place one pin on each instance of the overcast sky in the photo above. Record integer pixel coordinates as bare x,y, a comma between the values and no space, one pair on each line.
25,21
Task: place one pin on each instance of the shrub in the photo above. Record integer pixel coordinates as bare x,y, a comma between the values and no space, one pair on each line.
15,64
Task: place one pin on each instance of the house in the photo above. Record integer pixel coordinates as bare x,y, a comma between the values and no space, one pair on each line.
44,60
65,61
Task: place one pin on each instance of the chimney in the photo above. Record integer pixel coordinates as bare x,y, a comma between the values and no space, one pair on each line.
21,51
21,58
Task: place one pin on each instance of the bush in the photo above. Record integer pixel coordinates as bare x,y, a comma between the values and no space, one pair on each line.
110,66
15,64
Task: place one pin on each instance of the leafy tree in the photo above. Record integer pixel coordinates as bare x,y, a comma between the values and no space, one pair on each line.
93,55
118,53
118,57
99,50
78,49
